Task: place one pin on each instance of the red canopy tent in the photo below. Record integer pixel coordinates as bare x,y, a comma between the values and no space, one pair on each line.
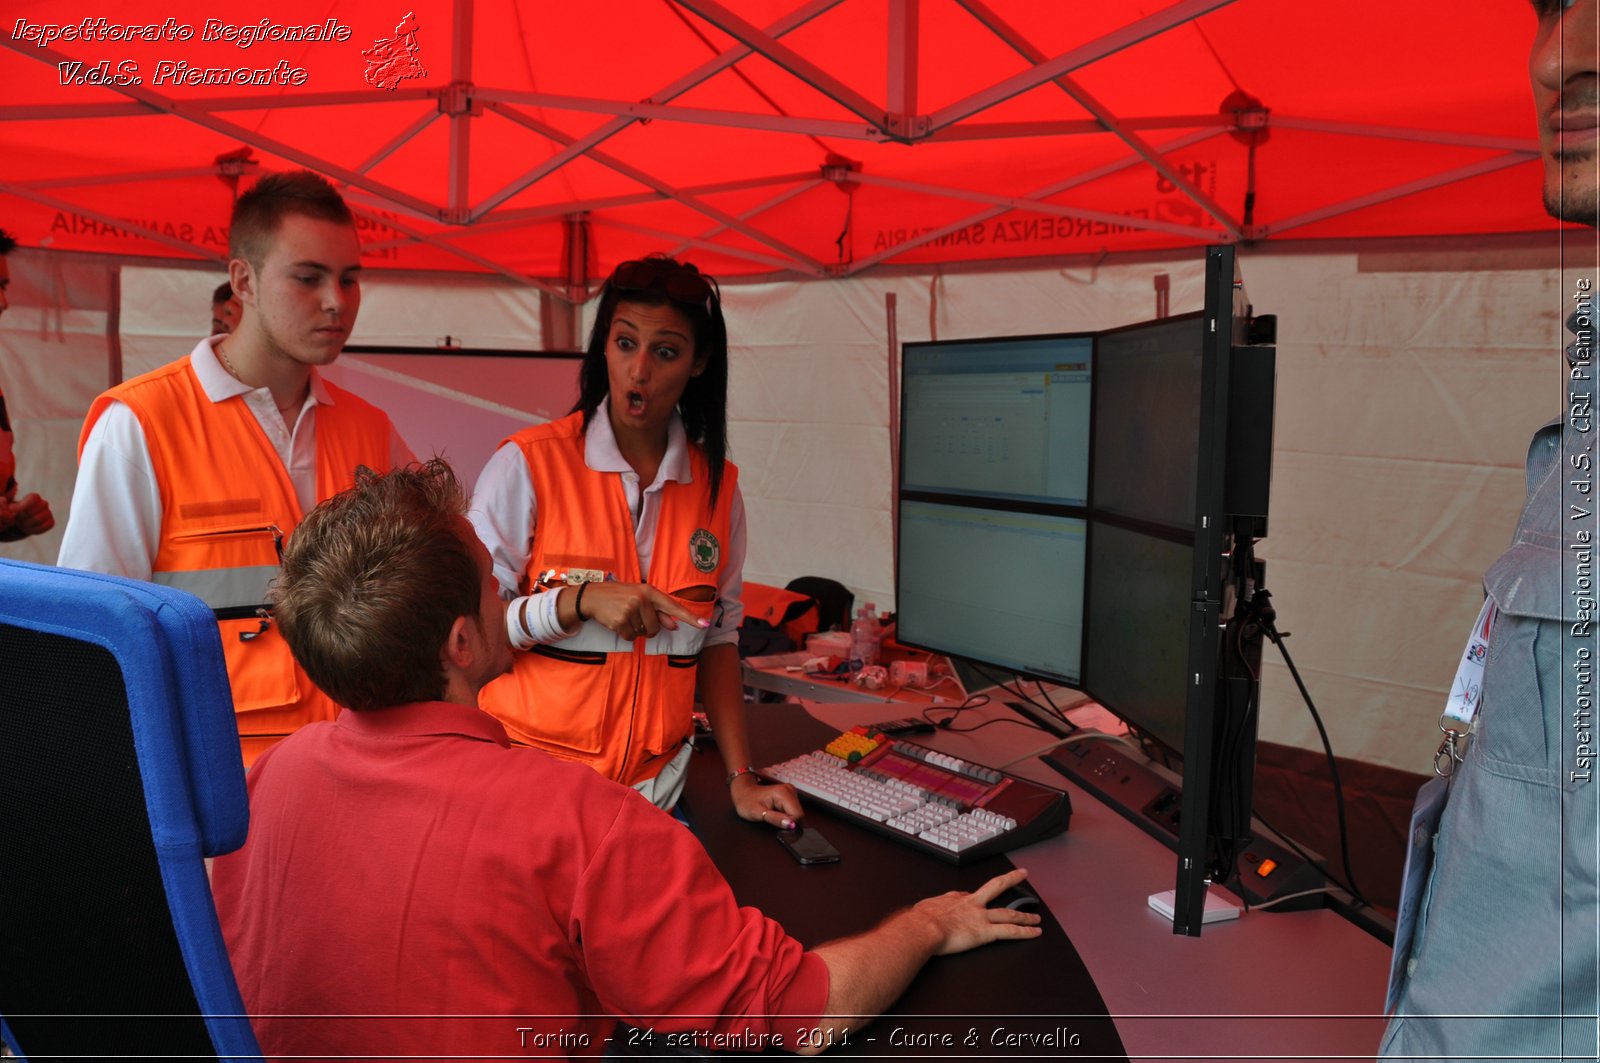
547,141
788,139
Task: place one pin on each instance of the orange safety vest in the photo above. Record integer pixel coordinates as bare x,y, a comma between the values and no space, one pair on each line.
623,706
226,500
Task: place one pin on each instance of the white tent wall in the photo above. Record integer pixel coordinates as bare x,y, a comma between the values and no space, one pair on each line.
1409,386
1410,376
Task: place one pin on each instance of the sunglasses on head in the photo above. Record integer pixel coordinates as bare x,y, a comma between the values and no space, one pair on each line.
682,282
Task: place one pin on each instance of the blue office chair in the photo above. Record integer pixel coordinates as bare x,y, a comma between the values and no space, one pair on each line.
119,772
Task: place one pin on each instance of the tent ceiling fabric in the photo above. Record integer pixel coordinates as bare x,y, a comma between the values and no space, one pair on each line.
761,137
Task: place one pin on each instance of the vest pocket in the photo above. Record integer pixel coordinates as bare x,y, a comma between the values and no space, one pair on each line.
672,663
556,699
260,670
675,676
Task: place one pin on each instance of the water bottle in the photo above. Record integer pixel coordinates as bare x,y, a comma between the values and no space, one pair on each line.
865,637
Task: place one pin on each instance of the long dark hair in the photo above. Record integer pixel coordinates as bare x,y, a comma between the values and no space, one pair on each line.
662,281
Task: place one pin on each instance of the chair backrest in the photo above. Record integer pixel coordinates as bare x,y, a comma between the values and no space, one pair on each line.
119,773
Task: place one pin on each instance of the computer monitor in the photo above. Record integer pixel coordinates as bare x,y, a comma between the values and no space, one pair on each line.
1080,508
1181,465
994,479
1147,451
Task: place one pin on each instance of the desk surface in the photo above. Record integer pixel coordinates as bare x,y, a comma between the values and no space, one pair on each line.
1267,986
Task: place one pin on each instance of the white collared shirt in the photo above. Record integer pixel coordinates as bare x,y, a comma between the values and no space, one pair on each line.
115,521
504,511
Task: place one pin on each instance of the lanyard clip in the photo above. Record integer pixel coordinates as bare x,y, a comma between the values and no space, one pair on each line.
1450,753
266,621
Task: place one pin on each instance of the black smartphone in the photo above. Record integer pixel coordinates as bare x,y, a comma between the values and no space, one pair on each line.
807,846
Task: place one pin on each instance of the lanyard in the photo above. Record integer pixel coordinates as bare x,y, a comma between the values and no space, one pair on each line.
1461,706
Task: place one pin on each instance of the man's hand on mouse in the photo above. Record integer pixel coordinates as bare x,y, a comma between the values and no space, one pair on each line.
965,920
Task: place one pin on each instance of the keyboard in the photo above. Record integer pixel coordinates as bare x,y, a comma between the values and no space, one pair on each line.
953,809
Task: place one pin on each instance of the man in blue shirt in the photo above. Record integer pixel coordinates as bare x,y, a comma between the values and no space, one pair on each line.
1496,951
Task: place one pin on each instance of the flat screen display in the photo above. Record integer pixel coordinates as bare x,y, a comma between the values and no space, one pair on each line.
1147,422
999,419
994,481
993,585
1146,457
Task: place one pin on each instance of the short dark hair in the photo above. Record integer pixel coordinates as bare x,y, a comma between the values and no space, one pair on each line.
8,243
259,212
704,404
373,578
223,293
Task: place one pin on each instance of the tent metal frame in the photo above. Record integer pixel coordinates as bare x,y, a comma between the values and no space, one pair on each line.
450,225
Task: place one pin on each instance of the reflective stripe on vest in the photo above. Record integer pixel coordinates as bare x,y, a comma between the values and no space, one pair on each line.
686,641
223,588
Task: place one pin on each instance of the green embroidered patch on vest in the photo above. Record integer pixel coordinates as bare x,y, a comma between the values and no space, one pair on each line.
704,550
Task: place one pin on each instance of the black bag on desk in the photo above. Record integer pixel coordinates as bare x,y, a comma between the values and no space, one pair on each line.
757,638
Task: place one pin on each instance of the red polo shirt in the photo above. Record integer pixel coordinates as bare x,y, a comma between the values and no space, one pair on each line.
425,888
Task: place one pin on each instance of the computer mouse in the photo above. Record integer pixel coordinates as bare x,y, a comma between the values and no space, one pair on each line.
1020,898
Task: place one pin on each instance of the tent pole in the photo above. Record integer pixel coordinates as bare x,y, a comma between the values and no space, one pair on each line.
893,331
901,90
114,329
459,101
559,314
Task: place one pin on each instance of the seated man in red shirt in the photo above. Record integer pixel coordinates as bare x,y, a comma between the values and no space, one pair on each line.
407,866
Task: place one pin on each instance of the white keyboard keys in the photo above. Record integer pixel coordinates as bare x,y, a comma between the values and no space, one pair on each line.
892,802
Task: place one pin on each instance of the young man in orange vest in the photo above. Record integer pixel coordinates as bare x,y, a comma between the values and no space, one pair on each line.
192,474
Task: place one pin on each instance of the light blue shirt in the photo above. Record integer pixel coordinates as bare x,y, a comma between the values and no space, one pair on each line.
1504,958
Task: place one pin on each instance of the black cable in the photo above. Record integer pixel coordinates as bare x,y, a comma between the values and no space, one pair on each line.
987,723
1016,692
1271,630
1226,781
1215,54
1152,749
973,701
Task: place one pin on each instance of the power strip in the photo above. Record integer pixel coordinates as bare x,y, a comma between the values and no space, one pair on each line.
1266,869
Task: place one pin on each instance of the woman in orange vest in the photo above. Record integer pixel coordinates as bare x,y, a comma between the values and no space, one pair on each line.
618,535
